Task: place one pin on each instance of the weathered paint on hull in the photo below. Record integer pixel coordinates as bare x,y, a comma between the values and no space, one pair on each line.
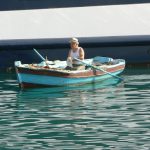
36,81
35,77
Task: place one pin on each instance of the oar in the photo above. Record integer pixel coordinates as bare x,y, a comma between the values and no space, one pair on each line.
98,68
47,64
39,54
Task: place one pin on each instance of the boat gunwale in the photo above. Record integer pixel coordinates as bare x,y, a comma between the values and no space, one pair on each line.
69,73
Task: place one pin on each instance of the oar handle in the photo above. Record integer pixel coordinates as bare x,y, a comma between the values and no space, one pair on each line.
39,54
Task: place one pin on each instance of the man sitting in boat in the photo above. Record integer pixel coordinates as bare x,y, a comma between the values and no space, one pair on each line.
75,52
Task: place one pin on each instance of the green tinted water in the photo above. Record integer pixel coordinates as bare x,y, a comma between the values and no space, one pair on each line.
107,115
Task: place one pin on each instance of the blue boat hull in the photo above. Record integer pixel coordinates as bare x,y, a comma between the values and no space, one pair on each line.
60,81
35,75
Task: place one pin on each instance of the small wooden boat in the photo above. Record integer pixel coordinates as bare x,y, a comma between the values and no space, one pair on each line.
54,73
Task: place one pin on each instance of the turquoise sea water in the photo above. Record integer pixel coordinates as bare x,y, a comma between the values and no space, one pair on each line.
108,115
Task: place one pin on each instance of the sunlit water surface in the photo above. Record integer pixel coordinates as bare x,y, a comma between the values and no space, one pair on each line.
106,115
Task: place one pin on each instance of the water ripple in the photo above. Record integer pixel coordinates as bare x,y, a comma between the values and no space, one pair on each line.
106,115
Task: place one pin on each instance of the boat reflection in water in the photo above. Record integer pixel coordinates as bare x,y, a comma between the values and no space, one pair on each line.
66,91
56,99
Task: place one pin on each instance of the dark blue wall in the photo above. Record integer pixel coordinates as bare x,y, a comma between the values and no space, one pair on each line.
91,42
41,4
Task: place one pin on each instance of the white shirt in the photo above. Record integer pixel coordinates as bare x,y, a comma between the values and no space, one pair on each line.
75,54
